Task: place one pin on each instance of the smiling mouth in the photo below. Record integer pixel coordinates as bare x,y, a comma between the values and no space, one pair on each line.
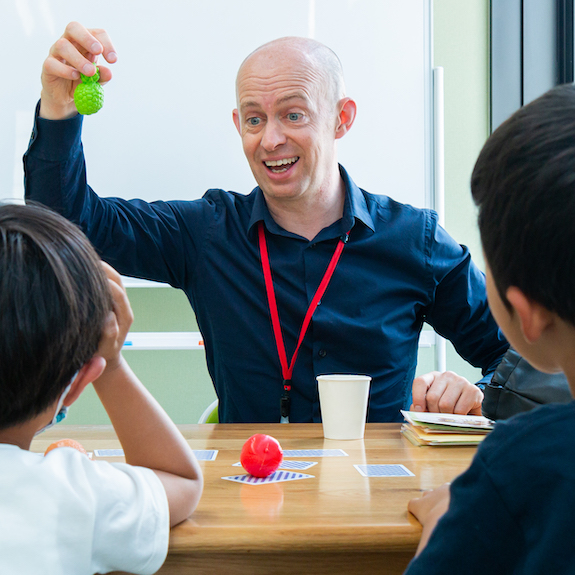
279,166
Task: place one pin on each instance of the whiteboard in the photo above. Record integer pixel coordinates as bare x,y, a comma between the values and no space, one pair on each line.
166,130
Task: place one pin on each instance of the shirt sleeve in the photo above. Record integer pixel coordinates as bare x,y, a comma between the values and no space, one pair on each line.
108,517
459,310
132,527
153,240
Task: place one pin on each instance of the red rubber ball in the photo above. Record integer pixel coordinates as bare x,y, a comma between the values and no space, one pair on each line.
261,455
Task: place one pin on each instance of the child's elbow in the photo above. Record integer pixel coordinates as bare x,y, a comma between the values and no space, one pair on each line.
190,492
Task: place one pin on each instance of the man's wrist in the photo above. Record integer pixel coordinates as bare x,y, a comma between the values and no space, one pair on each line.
51,111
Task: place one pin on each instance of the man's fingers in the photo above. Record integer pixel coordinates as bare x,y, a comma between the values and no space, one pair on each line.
108,50
419,391
86,40
445,393
426,391
435,394
452,393
469,401
66,51
55,67
79,48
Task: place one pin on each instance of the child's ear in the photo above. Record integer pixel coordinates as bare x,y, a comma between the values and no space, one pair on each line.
533,317
88,373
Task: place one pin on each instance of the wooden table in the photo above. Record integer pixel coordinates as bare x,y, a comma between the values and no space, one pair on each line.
336,522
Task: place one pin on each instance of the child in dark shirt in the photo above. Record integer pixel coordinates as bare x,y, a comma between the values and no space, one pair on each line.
512,510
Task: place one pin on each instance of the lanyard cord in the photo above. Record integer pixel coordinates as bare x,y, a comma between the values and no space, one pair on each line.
287,370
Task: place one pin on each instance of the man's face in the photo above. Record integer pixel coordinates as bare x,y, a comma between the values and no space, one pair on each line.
287,125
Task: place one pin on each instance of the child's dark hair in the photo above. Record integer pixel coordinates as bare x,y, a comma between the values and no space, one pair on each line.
54,301
524,185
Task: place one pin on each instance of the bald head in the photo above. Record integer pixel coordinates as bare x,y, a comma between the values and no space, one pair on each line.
322,59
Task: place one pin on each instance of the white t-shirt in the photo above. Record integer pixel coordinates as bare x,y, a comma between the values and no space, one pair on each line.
66,514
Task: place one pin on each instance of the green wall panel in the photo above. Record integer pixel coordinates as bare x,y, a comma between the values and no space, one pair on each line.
461,47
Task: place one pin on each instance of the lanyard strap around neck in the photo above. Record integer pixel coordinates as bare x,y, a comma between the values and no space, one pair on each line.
287,370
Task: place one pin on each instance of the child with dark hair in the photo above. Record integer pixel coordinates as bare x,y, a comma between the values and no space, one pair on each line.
64,316
512,511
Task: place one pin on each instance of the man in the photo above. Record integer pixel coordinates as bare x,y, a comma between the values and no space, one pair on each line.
255,268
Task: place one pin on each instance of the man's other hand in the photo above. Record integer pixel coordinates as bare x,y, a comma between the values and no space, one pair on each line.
445,393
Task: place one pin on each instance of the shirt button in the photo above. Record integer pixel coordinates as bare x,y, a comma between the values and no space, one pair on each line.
322,353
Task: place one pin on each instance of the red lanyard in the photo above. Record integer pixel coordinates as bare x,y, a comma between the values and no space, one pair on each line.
287,370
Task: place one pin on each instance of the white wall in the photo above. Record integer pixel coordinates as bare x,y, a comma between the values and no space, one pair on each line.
166,128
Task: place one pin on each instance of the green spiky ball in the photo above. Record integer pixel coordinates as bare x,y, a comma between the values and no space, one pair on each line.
89,95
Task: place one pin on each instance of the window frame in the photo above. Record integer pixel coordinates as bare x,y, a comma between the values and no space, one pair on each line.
531,50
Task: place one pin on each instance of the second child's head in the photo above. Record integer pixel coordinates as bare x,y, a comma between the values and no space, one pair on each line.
524,186
54,302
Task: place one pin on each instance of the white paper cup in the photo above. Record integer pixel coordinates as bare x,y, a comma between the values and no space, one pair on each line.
343,403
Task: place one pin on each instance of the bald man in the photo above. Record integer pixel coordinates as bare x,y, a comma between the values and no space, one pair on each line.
256,266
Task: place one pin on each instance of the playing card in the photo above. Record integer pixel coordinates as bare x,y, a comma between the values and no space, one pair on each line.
393,470
109,452
206,454
299,465
276,477
201,454
314,453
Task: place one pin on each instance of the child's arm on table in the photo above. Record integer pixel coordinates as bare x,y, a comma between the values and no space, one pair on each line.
428,509
148,436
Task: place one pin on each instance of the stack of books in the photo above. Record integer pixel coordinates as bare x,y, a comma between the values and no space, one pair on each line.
444,428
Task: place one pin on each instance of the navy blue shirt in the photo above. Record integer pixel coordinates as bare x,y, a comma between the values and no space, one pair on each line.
512,510
398,270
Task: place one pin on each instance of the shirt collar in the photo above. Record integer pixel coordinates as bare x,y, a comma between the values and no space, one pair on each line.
355,208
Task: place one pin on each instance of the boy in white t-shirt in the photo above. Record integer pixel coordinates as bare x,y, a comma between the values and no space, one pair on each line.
64,316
